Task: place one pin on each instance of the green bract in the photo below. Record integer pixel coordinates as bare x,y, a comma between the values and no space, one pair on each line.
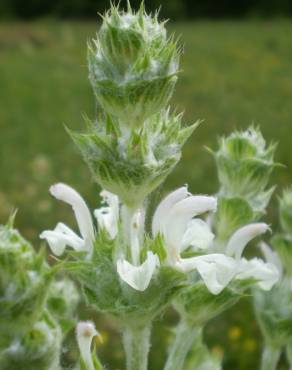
104,291
133,166
132,66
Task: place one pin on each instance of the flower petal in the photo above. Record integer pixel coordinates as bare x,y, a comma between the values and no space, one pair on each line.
243,236
70,196
62,236
162,211
138,277
181,214
216,270
266,274
198,235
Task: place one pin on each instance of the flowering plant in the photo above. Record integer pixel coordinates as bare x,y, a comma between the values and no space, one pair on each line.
192,255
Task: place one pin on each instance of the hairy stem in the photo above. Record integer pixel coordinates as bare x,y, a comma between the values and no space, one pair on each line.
185,337
136,340
270,357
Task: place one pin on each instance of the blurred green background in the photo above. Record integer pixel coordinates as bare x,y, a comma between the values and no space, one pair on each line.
234,73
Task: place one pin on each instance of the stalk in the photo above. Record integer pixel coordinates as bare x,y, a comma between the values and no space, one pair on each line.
270,357
136,340
186,336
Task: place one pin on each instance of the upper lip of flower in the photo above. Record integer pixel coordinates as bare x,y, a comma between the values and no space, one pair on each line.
62,235
174,215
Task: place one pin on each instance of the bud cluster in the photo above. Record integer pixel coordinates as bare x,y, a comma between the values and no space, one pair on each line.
132,66
244,164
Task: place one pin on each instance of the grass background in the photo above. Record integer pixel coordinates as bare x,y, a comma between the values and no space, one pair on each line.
233,74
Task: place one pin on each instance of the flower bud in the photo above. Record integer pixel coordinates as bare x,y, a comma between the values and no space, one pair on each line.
244,164
132,65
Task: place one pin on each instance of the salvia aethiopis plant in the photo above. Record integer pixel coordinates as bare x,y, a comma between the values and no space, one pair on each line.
274,310
123,268
31,333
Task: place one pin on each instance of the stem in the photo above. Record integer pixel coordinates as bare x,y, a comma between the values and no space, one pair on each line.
270,357
136,342
186,335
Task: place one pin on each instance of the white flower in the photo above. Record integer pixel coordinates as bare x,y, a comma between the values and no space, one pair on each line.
108,217
85,332
138,277
62,235
173,219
